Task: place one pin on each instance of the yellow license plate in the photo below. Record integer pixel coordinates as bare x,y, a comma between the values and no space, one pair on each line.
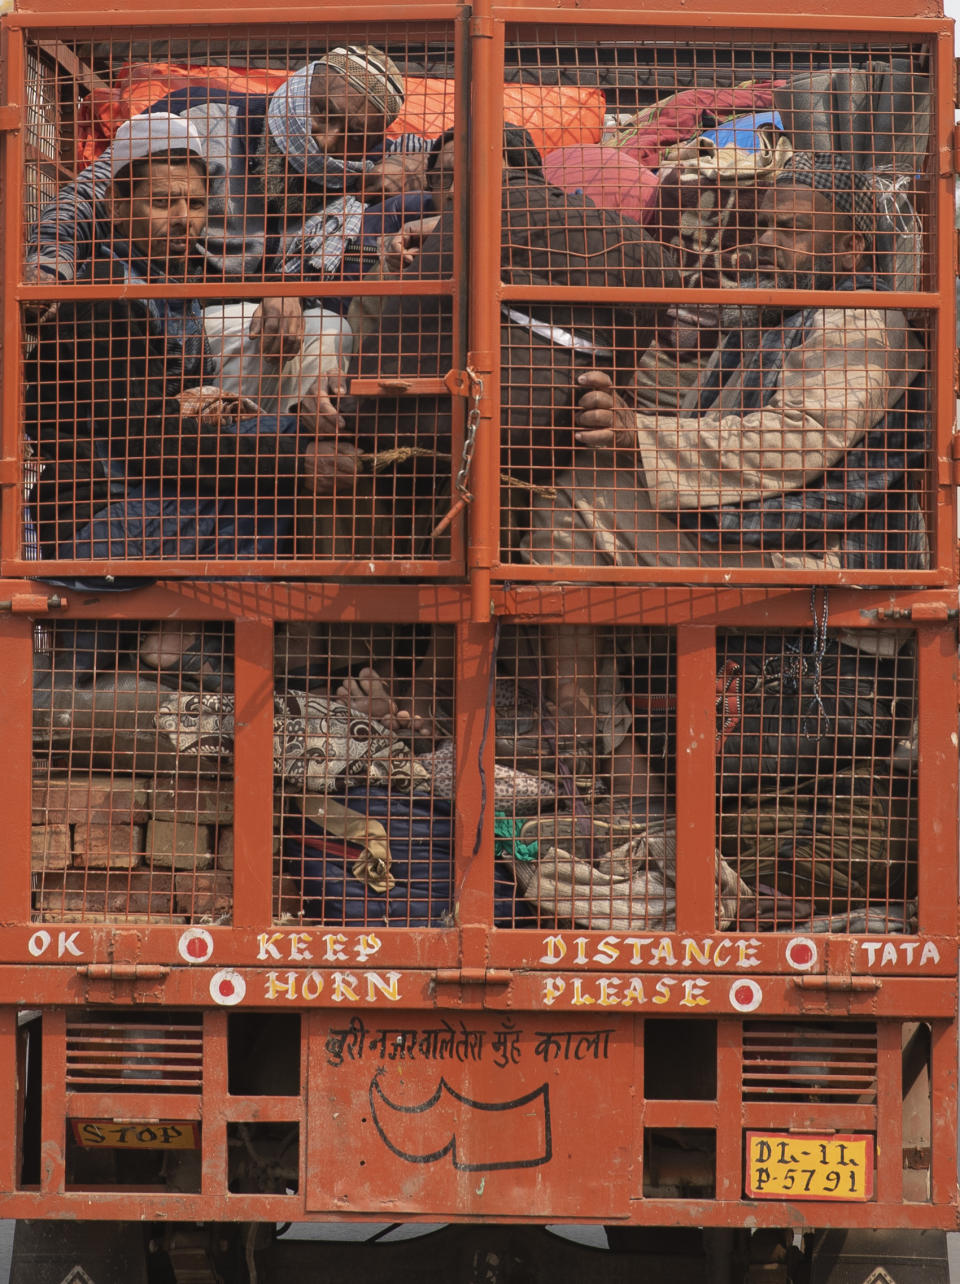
796,1165
107,1134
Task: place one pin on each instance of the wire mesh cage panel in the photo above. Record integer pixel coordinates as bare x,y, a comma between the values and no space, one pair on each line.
647,435
583,819
250,339
241,224
766,451
814,783
132,820
811,776
44,170
366,775
817,779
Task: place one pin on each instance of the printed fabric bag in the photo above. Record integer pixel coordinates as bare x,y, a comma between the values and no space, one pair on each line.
316,741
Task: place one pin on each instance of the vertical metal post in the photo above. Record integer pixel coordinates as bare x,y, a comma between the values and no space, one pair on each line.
473,890
889,1186
213,1140
943,1096
10,1120
937,780
486,166
253,774
729,1114
53,1110
944,524
16,730
462,194
11,45
696,772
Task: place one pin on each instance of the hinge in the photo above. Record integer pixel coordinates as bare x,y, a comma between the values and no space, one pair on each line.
33,603
841,984
472,976
920,613
457,383
123,971
916,1158
10,119
955,459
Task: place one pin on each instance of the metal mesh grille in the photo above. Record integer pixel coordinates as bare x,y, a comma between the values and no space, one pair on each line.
126,1053
582,790
816,772
207,417
810,1061
365,761
814,776
132,798
680,421
638,437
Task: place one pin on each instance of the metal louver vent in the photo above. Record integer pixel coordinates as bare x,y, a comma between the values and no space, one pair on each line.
162,1054
810,1061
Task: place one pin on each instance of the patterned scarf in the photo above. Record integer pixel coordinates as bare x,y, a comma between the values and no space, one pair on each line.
828,172
289,121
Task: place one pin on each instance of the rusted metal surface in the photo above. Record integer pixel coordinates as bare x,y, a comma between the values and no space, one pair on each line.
219,923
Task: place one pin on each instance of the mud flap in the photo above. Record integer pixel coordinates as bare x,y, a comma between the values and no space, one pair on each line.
879,1257
69,1252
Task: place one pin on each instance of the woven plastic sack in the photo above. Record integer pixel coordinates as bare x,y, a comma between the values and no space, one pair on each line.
612,878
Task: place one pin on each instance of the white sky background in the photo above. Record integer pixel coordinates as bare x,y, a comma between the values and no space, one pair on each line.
952,9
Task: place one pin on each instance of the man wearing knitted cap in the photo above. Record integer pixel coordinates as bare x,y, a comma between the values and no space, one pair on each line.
800,448
290,174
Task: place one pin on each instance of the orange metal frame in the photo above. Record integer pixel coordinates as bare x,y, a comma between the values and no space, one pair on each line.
473,972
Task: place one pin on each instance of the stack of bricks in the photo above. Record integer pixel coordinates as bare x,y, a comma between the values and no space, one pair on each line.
129,848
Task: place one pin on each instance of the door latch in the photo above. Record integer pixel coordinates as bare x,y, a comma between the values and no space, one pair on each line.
33,603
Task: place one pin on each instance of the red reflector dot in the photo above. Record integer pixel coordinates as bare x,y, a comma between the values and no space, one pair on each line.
197,947
801,953
743,994
227,989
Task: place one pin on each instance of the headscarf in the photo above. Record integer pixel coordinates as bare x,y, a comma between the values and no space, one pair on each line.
289,115
830,173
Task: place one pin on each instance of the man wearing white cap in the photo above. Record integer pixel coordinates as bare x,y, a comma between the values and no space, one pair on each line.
141,457
289,178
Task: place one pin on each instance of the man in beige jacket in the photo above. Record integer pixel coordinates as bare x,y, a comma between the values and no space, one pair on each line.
800,447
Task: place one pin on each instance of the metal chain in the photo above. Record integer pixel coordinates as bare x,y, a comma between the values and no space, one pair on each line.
470,437
819,644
